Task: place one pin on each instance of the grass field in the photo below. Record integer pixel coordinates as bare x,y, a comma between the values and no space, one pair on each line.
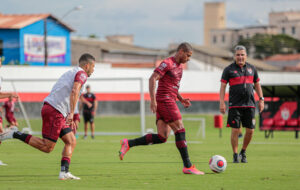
273,163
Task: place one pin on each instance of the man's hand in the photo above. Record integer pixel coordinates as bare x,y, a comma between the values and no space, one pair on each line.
153,106
261,105
222,107
70,122
186,102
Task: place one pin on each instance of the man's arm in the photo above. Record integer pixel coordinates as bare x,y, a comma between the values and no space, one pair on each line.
83,100
184,101
73,100
152,86
261,103
222,97
95,106
7,95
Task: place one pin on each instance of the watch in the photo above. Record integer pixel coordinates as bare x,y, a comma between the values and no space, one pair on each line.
261,98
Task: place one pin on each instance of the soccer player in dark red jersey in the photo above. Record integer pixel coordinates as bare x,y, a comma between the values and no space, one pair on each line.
241,76
9,107
168,116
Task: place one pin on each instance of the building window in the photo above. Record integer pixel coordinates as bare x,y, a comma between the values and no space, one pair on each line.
223,38
215,39
283,30
293,30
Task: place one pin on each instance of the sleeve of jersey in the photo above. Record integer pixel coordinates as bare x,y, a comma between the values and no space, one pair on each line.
80,77
225,76
162,69
256,78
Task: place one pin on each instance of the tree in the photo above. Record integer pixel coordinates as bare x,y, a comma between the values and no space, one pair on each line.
264,45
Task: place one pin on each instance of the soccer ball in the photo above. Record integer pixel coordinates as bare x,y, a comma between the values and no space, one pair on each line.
217,164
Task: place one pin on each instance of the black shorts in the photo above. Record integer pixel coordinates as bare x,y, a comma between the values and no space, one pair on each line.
88,117
246,116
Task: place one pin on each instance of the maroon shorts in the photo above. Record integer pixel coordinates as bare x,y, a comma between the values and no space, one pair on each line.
54,123
167,111
76,117
10,118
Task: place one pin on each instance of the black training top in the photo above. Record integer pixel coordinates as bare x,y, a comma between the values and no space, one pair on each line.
91,98
241,80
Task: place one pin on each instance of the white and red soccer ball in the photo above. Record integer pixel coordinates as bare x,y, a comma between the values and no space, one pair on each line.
217,163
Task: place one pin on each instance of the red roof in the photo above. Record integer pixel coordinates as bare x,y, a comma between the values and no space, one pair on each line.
284,57
17,21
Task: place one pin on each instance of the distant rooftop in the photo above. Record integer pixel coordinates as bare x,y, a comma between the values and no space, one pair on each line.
18,21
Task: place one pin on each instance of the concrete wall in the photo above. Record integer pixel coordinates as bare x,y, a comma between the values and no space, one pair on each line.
193,82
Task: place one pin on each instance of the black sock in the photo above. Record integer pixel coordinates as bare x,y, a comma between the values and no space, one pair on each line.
182,147
65,162
147,139
243,151
22,136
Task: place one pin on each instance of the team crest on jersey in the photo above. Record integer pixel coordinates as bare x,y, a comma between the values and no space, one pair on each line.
162,66
174,65
285,113
249,70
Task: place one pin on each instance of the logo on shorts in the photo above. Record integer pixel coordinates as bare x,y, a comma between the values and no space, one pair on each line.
253,121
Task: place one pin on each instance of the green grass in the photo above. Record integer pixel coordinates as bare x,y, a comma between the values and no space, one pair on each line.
273,163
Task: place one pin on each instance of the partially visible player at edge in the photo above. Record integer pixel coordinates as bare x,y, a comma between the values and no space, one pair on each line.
168,116
57,115
10,108
2,96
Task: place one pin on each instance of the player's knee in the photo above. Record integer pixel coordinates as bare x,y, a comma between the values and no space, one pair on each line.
48,149
163,139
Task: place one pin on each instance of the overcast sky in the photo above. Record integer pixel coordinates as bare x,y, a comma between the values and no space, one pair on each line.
154,23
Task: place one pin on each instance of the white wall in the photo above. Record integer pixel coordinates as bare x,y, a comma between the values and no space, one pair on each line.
192,81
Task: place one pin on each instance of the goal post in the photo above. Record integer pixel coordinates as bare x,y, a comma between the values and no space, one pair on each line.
45,85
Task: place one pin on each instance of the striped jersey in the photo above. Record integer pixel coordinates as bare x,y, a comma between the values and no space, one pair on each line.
170,76
241,80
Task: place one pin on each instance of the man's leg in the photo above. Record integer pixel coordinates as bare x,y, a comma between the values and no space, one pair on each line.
92,129
43,145
163,132
234,143
85,129
247,139
70,143
180,140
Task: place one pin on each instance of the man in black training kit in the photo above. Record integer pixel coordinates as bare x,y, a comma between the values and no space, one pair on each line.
241,77
89,112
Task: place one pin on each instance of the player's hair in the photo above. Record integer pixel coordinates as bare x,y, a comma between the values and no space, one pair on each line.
186,47
240,47
85,59
87,86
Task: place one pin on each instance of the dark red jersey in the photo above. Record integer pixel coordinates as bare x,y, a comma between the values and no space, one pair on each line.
169,83
9,107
